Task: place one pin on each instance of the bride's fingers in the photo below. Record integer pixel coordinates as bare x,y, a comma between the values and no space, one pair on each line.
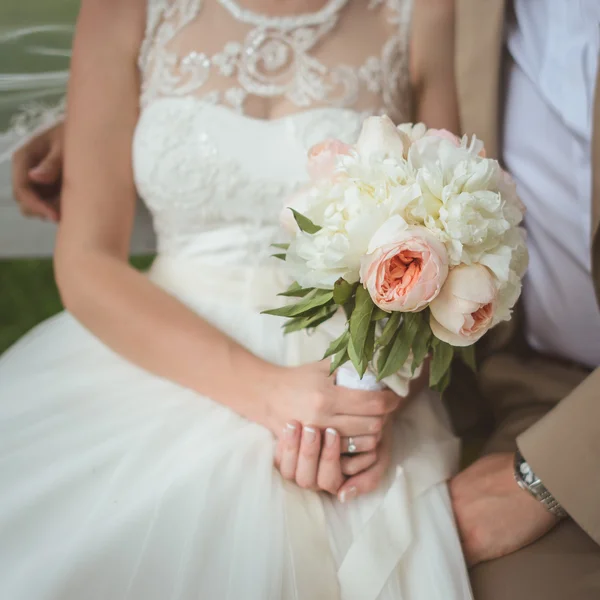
308,458
352,465
360,443
362,403
353,426
369,479
278,453
329,476
290,446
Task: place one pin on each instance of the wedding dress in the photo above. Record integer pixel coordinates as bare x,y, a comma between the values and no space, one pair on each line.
117,484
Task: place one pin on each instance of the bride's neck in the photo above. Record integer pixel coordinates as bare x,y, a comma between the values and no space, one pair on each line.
282,7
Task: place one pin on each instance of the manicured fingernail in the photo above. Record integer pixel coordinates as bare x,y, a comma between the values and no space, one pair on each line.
330,435
310,434
289,430
348,494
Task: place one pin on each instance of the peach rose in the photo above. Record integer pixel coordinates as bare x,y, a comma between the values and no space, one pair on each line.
406,269
464,309
322,158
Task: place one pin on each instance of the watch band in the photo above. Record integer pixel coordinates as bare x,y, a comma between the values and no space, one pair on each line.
528,480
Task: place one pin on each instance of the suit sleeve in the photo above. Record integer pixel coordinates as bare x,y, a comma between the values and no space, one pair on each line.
551,411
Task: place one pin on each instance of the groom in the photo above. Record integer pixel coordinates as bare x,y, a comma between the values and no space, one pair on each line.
529,520
526,75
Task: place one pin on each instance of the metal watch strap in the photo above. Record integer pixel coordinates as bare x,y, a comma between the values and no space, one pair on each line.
538,490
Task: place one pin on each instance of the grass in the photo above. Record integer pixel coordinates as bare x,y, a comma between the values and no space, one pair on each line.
28,295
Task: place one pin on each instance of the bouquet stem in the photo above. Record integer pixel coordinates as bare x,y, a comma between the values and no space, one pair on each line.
348,377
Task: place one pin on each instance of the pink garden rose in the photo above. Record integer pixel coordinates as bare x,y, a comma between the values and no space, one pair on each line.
322,158
380,138
464,309
444,134
405,268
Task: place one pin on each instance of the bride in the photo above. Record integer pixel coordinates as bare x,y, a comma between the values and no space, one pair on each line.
138,430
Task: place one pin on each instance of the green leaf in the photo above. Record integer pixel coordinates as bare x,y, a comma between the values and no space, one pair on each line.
318,319
390,329
339,359
360,320
279,256
295,291
370,343
379,314
312,300
467,354
440,363
338,344
358,360
304,223
281,246
315,317
401,345
421,344
342,291
443,383
295,324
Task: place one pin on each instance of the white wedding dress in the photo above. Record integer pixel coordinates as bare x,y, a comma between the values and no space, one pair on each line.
117,484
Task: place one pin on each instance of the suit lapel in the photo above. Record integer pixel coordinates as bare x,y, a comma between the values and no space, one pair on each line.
479,43
596,192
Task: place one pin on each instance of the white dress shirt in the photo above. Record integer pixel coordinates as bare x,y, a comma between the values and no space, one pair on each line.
547,147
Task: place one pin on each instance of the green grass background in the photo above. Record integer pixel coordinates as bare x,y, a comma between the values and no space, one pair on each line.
28,293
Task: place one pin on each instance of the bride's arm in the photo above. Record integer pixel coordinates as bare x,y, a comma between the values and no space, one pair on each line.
121,306
432,64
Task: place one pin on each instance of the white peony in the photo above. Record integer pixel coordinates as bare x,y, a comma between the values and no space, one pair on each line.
348,211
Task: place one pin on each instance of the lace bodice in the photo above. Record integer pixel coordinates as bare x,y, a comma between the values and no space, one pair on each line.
232,100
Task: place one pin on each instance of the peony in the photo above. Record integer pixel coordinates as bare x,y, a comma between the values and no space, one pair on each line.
380,139
464,309
300,202
348,216
414,131
405,267
323,158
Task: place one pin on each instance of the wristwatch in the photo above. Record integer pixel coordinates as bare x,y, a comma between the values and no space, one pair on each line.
530,482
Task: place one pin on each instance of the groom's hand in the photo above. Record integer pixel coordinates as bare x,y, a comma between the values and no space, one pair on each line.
494,515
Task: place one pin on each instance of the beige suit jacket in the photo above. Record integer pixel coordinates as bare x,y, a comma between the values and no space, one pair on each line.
551,408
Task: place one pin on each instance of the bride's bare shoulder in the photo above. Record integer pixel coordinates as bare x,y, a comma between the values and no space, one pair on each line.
121,22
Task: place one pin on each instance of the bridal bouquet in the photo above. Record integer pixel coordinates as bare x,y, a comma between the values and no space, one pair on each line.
415,234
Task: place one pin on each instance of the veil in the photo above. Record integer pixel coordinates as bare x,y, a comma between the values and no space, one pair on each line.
34,70
34,63
31,101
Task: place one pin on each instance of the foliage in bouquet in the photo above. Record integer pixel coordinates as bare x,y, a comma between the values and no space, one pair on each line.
416,235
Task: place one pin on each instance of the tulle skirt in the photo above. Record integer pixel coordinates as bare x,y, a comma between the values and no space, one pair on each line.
117,484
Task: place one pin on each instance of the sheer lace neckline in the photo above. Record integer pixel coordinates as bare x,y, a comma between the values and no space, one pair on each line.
252,17
278,60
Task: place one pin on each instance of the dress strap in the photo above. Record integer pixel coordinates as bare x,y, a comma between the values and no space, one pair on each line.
164,19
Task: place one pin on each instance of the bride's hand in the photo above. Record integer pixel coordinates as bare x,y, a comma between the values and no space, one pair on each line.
311,459
366,477
308,394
